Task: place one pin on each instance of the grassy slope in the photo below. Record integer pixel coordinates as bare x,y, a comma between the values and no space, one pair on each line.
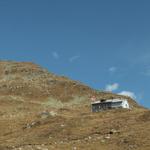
26,90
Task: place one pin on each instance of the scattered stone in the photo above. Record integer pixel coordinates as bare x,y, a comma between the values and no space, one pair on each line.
74,148
90,137
28,126
44,114
62,125
107,137
53,114
32,124
38,147
103,141
113,131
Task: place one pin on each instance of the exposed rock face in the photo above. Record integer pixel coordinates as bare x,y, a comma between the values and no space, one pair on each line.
40,110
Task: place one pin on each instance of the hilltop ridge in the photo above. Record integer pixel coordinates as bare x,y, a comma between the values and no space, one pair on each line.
31,81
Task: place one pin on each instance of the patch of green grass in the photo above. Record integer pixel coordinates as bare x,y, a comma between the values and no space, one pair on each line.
53,103
77,100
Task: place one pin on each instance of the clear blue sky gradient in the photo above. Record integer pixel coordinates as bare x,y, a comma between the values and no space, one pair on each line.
82,39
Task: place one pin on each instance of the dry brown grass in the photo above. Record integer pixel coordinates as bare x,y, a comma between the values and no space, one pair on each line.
27,91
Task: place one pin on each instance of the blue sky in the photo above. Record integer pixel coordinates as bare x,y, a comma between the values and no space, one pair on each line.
102,43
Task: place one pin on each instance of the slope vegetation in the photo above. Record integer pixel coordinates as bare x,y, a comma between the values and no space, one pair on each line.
40,110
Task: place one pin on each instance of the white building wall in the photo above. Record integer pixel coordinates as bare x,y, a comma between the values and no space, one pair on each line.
115,103
125,104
